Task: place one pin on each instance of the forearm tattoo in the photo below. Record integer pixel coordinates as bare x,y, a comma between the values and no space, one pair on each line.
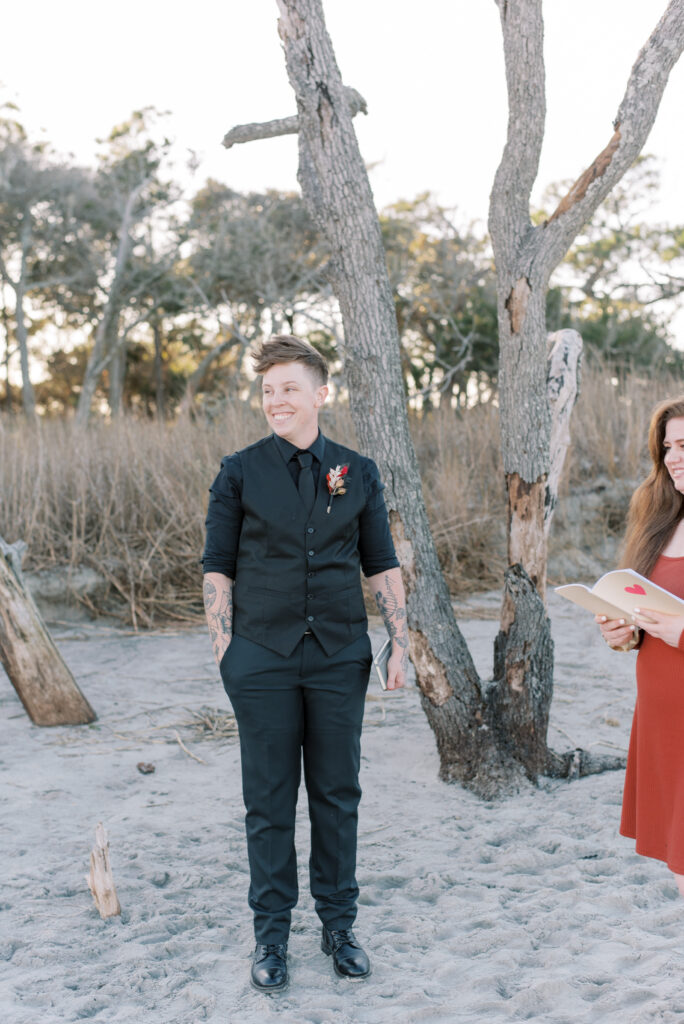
218,604
394,616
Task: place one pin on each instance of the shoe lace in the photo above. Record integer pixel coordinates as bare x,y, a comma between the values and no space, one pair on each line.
341,936
272,947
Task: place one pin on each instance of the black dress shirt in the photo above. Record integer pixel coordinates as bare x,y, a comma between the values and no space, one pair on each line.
224,514
289,454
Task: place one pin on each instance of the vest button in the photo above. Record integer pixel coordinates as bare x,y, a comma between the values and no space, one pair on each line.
310,574
310,553
309,597
310,529
309,618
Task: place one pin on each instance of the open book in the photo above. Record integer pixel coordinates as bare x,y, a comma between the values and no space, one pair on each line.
618,593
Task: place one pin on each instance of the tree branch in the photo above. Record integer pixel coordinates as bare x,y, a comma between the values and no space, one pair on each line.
5,275
285,125
635,117
523,36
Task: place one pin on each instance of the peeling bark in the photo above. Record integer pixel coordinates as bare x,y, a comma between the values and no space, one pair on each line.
516,304
404,551
597,169
526,537
434,682
523,675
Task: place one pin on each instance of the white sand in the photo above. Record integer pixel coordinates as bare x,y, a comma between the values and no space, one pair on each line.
531,909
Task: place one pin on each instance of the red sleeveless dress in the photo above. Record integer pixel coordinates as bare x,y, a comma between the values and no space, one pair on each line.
653,799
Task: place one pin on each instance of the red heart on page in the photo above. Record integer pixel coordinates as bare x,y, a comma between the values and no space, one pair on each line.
636,589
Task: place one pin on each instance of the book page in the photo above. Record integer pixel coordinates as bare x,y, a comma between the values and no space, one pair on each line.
618,593
627,589
586,598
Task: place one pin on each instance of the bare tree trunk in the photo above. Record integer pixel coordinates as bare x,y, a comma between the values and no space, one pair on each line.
117,375
525,257
194,381
35,667
158,369
9,404
103,352
335,187
27,393
486,740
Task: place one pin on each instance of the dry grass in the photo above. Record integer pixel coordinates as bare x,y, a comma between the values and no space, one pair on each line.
128,499
610,425
463,484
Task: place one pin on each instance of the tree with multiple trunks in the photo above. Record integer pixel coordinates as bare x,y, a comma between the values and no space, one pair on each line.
489,735
130,192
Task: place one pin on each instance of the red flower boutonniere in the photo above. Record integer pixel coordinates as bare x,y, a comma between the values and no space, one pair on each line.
336,481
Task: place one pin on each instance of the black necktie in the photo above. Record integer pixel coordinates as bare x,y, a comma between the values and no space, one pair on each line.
305,484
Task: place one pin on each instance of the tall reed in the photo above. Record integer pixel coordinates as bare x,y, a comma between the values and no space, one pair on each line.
129,498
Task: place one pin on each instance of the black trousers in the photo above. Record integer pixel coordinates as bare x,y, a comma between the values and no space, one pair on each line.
306,704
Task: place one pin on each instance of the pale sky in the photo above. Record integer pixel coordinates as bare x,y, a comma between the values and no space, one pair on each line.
431,72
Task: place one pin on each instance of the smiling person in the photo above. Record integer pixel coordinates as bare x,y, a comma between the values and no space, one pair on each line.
653,799
291,521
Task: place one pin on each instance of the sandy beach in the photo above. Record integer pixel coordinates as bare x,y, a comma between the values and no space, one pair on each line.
529,909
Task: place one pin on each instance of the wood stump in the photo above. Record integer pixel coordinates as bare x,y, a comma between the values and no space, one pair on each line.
100,880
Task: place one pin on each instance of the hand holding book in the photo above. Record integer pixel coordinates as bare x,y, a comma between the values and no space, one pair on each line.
624,598
668,628
618,635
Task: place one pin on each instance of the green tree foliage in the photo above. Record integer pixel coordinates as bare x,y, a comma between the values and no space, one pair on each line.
445,299
257,265
44,248
615,282
257,253
113,282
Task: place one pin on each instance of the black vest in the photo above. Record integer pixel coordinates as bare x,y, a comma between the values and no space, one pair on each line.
296,571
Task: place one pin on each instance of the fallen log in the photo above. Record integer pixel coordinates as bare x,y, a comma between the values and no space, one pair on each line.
28,653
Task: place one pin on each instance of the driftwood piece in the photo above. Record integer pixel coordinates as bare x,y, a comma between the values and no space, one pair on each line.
565,355
30,658
100,880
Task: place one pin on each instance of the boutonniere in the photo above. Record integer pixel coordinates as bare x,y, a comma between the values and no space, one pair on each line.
336,481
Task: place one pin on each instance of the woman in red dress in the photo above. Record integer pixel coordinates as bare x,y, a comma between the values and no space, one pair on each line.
653,799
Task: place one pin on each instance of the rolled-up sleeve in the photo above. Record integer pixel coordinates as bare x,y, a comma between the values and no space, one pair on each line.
376,546
224,518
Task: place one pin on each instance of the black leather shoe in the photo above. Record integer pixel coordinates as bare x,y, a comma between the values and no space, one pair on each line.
269,968
349,959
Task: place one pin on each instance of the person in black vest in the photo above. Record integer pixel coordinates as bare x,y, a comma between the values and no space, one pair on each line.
291,521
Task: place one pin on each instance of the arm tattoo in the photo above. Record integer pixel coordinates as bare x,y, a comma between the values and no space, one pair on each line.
394,616
218,604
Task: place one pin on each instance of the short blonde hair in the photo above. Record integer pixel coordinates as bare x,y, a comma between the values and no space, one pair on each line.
285,348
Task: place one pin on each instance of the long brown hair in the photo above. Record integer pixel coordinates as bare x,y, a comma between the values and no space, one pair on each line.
656,507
